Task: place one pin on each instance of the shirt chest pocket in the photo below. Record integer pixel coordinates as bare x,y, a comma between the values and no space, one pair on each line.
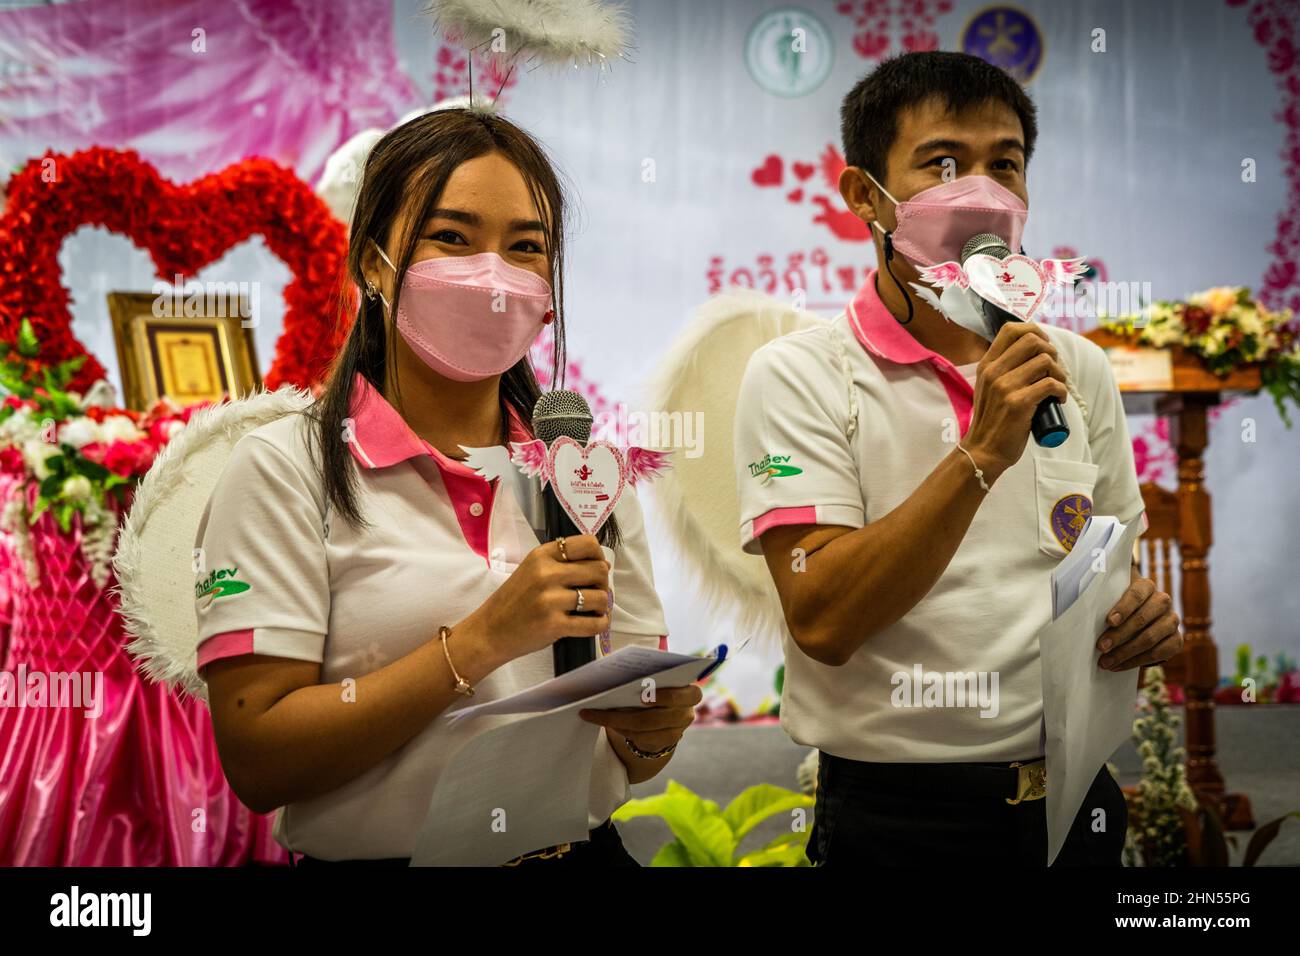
1063,498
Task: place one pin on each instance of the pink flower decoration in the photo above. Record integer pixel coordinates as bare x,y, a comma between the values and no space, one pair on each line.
1288,688
11,461
129,458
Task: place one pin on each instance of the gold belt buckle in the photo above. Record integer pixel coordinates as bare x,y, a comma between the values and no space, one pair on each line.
547,854
1031,783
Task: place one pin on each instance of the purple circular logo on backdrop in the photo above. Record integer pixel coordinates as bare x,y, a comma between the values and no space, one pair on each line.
1069,515
1007,37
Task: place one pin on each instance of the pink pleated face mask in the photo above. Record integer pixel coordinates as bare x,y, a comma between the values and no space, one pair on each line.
934,224
470,317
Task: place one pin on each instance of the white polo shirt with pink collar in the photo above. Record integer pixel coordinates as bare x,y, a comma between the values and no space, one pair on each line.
838,425
291,579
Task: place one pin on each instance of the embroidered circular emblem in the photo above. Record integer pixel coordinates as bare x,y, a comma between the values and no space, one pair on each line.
1069,515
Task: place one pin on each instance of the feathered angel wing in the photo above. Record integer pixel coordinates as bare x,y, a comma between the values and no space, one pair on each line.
492,462
945,274
530,456
927,295
698,498
645,463
496,462
1063,271
963,307
154,561
958,304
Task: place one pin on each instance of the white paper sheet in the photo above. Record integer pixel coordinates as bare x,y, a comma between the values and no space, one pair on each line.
1088,711
514,788
625,664
523,781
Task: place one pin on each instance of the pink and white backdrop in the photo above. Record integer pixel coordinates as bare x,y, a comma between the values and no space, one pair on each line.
709,160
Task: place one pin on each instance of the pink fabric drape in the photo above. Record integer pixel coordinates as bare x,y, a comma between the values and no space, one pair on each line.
195,86
138,785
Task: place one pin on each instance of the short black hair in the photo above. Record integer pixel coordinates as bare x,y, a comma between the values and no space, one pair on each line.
869,114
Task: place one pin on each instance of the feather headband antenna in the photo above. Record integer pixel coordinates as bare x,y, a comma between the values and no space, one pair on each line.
541,32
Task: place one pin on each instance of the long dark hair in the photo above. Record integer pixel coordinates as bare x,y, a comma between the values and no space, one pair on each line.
412,164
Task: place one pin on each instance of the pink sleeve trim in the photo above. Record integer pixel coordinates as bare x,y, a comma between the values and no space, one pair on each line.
229,644
783,516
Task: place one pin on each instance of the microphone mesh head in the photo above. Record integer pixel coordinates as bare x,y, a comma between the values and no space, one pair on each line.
985,244
562,412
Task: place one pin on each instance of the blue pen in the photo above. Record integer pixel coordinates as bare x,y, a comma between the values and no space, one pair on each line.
720,656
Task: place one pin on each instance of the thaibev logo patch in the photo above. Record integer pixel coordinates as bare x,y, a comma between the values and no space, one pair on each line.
773,466
220,583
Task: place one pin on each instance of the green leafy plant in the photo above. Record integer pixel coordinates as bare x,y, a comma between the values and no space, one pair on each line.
68,480
73,455
23,375
709,835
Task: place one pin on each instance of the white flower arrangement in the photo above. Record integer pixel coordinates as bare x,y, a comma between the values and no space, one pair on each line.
77,453
1163,790
1227,329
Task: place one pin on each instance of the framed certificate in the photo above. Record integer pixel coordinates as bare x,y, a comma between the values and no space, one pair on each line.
185,359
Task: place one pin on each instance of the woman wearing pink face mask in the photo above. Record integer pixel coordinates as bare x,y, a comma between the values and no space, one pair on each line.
385,581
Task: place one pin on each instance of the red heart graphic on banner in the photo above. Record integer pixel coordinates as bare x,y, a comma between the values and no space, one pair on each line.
803,170
183,228
770,173
795,195
588,481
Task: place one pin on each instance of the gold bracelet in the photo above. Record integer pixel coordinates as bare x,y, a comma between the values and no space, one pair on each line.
462,685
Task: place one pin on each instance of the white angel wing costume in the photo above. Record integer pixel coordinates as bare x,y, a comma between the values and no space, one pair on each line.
155,562
699,496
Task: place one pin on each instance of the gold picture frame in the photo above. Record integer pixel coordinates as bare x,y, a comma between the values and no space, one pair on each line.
163,352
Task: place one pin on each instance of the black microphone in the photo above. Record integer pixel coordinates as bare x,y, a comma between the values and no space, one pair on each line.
557,413
1048,426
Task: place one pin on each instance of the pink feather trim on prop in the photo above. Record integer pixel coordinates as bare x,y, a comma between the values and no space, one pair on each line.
1057,271
640,464
530,456
945,274
644,463
1063,271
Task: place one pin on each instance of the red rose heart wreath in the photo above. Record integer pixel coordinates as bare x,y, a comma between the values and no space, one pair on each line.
183,228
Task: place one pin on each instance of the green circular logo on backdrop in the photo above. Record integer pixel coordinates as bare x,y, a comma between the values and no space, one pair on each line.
789,52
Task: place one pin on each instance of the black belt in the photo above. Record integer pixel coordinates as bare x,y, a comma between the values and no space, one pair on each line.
1015,781
549,853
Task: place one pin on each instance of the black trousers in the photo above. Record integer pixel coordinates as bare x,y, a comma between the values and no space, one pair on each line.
604,847
881,814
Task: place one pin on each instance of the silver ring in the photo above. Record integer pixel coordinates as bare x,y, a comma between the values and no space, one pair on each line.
581,601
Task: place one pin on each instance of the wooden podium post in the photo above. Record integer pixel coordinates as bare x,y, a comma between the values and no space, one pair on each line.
1193,392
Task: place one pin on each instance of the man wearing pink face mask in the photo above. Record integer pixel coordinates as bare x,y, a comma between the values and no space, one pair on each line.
912,524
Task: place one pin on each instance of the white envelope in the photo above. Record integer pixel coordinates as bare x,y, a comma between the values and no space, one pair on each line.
1088,711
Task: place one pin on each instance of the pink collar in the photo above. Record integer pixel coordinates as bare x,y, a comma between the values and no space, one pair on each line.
381,437
882,335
